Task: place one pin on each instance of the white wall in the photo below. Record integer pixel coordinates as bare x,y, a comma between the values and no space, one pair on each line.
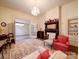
69,11
64,12
8,15
51,14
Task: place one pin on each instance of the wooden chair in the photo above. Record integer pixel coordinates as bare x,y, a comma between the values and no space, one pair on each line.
1,51
10,39
4,46
3,43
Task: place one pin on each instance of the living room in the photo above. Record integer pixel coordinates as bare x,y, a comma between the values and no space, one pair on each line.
24,19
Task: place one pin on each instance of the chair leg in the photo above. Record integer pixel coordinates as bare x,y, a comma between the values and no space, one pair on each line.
5,48
51,47
44,43
2,54
10,45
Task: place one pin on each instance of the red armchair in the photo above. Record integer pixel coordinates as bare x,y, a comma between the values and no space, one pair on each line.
61,43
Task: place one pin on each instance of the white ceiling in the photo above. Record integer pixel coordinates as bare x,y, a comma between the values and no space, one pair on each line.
26,5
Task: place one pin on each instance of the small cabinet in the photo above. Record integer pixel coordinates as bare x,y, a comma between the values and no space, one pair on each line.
40,34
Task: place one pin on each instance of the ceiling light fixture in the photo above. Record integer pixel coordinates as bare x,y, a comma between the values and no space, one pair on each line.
35,10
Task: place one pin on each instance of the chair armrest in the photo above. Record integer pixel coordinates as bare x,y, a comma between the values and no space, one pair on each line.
57,55
51,56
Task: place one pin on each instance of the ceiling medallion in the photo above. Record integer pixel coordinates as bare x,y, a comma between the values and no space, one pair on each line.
35,11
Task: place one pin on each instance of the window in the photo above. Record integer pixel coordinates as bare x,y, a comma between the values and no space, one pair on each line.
25,29
22,29
33,30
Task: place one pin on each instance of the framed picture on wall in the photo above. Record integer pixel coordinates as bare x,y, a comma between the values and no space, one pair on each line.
73,30
3,24
72,26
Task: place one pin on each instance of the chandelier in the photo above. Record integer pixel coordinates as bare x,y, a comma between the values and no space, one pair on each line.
35,11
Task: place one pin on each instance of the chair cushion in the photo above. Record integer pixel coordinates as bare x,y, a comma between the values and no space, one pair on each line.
51,36
48,42
44,53
39,56
62,45
62,36
62,39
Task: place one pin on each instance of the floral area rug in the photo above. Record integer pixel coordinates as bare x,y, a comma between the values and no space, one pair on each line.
24,47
